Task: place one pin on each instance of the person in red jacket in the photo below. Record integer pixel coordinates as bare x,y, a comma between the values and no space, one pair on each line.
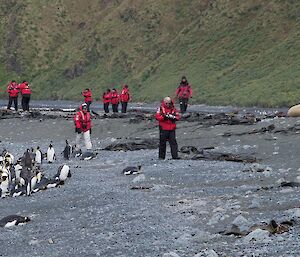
114,100
167,115
125,98
106,98
26,92
13,93
83,126
88,97
183,93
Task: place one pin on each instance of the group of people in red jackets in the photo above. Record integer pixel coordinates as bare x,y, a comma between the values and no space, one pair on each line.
13,90
114,98
167,116
82,118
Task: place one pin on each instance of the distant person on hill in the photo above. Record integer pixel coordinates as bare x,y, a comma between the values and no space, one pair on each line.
88,97
26,92
83,126
183,93
13,92
106,98
125,98
167,115
115,100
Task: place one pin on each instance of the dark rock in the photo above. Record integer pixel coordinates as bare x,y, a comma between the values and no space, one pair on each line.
134,145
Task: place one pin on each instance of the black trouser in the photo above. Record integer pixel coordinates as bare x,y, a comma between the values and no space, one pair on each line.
124,107
105,107
183,104
115,107
13,99
164,136
25,102
88,105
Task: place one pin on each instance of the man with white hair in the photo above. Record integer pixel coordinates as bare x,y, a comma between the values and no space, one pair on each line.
167,115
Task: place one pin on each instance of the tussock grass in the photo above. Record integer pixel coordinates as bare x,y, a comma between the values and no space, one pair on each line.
233,52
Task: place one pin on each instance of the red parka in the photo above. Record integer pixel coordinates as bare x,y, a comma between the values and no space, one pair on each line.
24,88
184,90
12,89
88,97
106,97
115,97
82,120
162,116
125,95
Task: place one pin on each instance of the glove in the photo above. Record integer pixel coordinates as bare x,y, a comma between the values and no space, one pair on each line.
77,130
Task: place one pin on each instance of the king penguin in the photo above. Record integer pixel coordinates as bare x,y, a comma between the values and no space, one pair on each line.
4,184
63,172
13,220
50,154
38,155
67,151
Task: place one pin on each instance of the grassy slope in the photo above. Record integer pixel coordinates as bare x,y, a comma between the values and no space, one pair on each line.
233,52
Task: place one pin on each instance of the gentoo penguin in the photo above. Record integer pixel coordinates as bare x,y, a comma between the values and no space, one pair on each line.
67,151
131,170
63,172
88,156
13,220
38,155
50,154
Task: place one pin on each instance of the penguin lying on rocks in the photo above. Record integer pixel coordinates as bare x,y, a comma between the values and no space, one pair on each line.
13,220
63,173
132,170
88,156
46,183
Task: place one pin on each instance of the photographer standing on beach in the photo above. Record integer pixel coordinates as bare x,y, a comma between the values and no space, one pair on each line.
167,115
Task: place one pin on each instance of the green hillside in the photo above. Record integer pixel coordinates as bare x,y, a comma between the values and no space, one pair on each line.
233,52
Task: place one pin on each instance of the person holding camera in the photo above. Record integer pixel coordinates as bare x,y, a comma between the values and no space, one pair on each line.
167,115
83,126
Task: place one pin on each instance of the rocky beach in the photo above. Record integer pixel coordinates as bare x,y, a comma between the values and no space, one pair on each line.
239,170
